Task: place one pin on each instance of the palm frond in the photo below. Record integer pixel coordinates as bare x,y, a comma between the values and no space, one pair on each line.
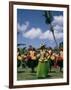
48,17
48,20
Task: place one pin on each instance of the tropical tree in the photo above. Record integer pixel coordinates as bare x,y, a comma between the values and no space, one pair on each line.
48,20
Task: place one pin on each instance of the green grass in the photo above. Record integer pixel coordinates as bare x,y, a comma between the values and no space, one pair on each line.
25,74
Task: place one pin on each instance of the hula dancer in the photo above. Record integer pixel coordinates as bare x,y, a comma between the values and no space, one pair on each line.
19,58
42,69
60,60
47,63
50,60
32,60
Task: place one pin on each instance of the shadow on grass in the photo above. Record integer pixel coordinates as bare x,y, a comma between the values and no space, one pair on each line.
49,76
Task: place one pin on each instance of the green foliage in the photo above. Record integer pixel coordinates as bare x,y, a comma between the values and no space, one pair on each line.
61,45
22,50
48,17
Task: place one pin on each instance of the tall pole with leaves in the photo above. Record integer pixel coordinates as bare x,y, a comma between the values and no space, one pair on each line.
48,20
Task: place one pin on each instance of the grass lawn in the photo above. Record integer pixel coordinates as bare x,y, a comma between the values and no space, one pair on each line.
25,74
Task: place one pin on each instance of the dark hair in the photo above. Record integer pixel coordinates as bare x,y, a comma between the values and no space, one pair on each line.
19,54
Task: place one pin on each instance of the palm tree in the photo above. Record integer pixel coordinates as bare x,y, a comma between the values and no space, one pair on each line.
48,20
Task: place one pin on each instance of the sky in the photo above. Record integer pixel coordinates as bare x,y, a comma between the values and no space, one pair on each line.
32,29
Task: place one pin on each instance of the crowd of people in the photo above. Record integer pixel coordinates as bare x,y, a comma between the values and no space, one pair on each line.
43,60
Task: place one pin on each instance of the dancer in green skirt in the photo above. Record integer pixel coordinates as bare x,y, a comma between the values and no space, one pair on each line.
47,63
42,68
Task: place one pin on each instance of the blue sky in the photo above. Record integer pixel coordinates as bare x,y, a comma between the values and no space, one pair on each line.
32,29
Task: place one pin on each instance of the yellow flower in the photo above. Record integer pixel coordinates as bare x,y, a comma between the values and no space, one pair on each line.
19,58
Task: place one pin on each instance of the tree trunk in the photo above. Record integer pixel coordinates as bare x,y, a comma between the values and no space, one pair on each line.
51,28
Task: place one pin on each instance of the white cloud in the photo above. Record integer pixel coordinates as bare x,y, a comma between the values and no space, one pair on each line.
33,33
48,35
58,35
58,20
37,32
22,27
58,23
58,28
